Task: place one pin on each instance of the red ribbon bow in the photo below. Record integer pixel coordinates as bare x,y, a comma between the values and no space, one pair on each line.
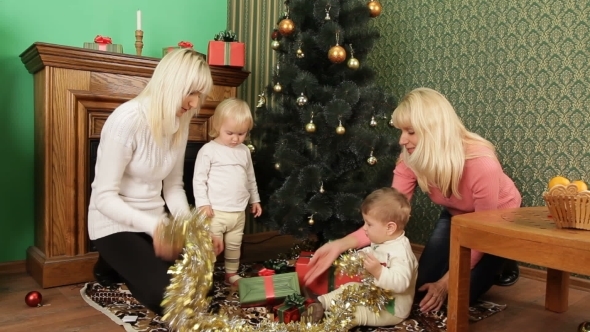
185,44
264,272
103,40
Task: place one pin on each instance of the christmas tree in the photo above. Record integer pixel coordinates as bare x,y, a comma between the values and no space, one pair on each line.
322,138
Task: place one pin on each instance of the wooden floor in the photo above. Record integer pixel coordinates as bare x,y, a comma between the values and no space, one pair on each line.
66,311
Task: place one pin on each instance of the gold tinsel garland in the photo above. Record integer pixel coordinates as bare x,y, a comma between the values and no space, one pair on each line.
186,302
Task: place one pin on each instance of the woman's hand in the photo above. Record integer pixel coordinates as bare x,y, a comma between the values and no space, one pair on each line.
207,210
372,265
436,294
162,248
217,244
256,209
322,259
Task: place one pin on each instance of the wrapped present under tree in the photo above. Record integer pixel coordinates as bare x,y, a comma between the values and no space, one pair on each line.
291,309
225,50
268,288
325,283
104,43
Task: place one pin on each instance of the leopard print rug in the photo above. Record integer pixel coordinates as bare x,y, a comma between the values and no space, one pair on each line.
117,302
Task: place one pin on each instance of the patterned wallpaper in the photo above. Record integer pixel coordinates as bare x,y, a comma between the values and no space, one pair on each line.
517,72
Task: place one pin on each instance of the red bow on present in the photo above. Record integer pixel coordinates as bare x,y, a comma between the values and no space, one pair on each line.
103,40
185,44
264,272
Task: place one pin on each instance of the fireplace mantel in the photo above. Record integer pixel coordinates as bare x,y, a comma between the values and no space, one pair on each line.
75,90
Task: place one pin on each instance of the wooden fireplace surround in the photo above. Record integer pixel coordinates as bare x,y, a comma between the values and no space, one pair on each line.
75,90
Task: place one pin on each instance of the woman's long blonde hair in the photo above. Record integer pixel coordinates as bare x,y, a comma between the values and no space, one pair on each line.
180,73
440,154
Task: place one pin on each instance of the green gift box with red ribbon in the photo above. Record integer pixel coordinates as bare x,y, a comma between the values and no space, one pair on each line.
291,309
268,288
225,50
104,43
326,282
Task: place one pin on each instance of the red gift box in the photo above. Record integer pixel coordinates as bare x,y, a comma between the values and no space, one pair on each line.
290,311
325,283
220,53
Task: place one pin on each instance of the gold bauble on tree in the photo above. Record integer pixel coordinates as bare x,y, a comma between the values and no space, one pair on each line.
277,88
353,63
286,27
310,127
340,130
275,45
337,54
311,221
251,148
374,8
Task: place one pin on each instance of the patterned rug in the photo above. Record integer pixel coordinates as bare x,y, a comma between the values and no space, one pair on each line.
117,302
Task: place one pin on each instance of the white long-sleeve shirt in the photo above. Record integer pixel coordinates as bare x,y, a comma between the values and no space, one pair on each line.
131,173
399,273
224,178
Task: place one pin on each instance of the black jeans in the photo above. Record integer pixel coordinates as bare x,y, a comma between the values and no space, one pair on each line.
132,256
434,262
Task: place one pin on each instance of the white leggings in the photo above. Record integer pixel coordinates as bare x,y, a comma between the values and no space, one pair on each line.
230,226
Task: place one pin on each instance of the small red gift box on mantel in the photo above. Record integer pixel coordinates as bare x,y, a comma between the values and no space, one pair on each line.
325,283
225,50
181,44
291,309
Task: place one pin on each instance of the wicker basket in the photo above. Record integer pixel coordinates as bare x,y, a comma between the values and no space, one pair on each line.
568,207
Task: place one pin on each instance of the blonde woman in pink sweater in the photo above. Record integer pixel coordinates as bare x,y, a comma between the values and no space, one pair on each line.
458,170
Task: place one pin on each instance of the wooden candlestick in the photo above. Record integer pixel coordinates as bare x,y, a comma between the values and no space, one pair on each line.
138,41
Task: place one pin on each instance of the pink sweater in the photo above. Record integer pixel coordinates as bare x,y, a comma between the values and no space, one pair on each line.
483,186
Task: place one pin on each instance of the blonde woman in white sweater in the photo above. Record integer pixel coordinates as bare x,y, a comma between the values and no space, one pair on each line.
139,170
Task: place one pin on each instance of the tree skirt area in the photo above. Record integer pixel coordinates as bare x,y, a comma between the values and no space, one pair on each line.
117,302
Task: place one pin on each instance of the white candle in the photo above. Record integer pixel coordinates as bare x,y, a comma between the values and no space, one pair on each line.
139,20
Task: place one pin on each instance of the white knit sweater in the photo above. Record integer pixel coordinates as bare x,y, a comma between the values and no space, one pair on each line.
132,173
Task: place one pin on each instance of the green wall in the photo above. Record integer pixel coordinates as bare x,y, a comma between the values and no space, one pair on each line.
517,72
72,22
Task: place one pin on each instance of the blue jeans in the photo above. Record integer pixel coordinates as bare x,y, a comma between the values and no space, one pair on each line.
434,262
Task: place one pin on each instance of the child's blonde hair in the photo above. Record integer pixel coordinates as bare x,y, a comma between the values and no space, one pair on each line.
180,73
234,108
386,205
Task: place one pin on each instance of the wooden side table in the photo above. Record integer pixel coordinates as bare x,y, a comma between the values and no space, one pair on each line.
523,234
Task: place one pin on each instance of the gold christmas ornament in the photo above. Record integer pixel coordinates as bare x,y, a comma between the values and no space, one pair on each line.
371,160
310,127
311,221
277,87
337,54
340,130
322,190
275,45
302,100
299,53
277,166
286,27
353,63
261,100
374,8
373,122
251,148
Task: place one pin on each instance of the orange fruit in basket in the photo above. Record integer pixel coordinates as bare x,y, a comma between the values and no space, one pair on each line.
558,180
582,186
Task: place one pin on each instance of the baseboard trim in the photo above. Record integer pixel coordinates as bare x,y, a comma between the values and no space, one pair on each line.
13,267
529,272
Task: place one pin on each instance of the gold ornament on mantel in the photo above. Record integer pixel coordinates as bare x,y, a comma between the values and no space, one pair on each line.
337,53
374,8
340,130
353,63
371,160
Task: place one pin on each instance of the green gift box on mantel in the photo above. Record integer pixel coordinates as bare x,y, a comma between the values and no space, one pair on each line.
268,288
103,43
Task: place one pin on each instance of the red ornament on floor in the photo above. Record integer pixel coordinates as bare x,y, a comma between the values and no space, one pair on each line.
33,299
